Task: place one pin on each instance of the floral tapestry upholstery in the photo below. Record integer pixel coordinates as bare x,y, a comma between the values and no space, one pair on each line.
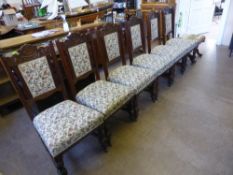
112,46
169,52
184,44
156,63
131,76
154,29
168,20
64,124
136,36
105,97
37,76
80,59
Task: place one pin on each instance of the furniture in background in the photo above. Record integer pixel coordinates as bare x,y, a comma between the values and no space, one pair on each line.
120,5
157,5
168,6
31,8
8,95
218,9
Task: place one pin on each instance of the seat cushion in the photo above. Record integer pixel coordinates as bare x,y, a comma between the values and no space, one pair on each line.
156,63
64,124
131,76
182,44
171,54
105,97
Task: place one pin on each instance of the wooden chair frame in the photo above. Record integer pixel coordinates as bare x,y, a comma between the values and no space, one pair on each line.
153,87
108,29
132,105
170,74
29,53
166,36
141,49
73,40
150,16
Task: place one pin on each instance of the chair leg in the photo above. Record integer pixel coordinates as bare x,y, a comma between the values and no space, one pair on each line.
198,52
107,134
192,58
171,76
134,108
183,65
60,165
155,90
103,139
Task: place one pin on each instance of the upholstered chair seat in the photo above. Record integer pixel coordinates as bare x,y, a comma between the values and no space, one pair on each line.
187,45
134,77
64,124
173,54
156,63
105,97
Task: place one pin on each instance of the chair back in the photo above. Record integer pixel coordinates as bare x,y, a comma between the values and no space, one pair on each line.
168,16
153,29
135,37
79,60
36,76
110,43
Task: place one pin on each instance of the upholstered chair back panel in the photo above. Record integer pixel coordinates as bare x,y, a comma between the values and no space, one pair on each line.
80,59
112,46
154,28
136,36
168,23
37,76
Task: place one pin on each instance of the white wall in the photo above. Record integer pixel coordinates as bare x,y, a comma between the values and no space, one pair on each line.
228,27
182,8
15,3
138,2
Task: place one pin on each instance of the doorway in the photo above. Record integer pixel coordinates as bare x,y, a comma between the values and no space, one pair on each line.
202,17
214,30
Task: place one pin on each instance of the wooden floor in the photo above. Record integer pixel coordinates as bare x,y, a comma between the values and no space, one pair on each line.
189,131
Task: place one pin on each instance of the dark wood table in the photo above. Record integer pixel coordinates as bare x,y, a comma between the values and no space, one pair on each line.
23,31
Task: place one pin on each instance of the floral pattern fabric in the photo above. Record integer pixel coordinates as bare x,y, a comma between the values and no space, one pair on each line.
180,42
168,20
112,46
131,76
80,59
105,97
64,124
171,53
154,29
183,45
37,76
136,36
155,63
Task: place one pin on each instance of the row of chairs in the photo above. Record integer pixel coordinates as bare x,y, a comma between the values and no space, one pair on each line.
69,101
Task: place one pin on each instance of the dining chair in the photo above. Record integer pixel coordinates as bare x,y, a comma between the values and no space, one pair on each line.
79,57
60,122
112,45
